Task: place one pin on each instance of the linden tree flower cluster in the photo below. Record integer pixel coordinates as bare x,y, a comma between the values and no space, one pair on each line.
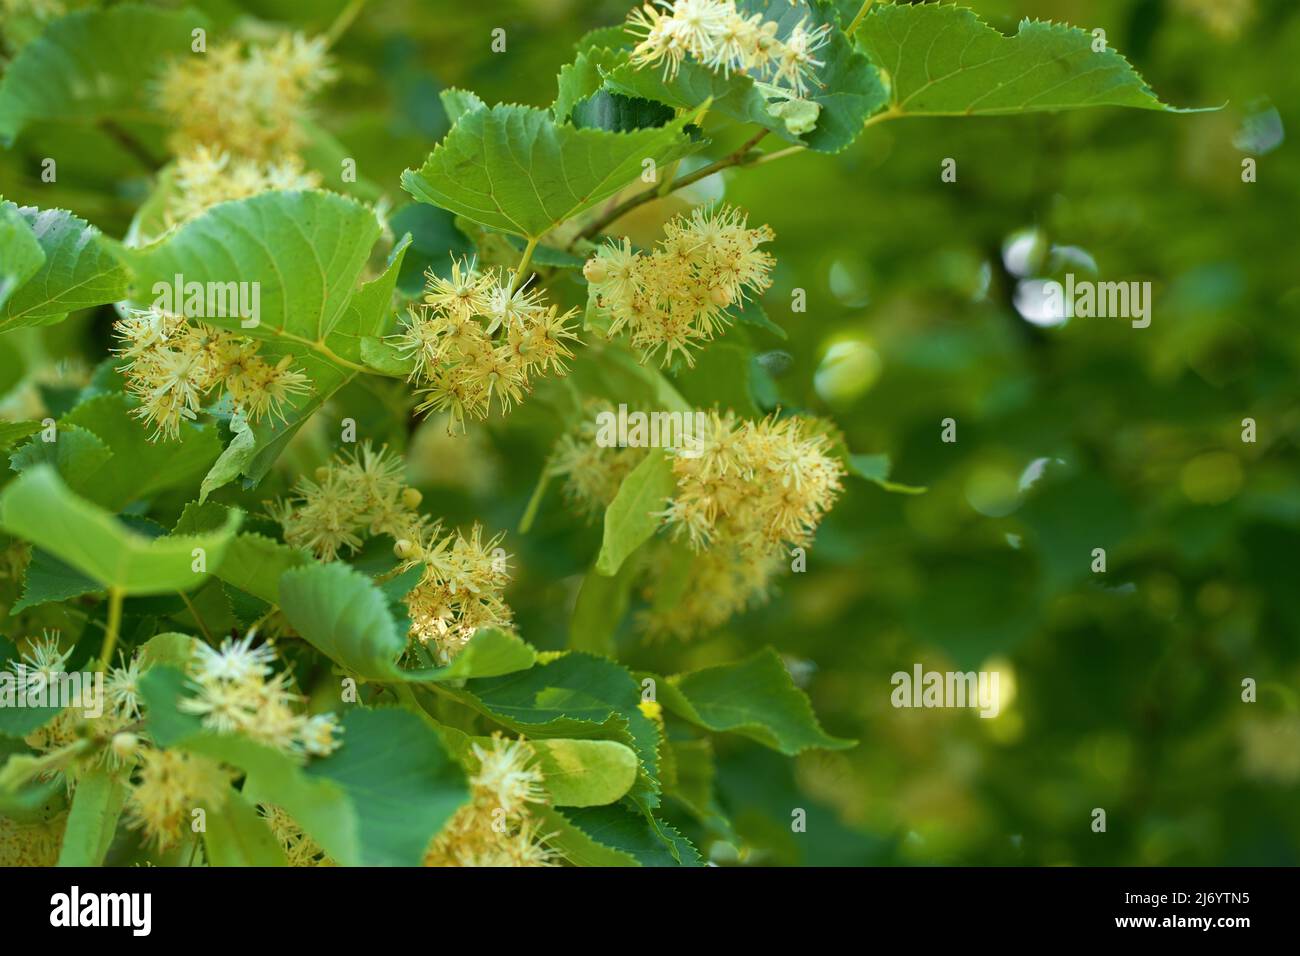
67,742
477,341
364,494
716,34
747,493
206,176
31,844
592,472
37,672
172,366
168,785
237,118
754,485
236,690
299,848
248,103
496,827
233,689
677,295
755,490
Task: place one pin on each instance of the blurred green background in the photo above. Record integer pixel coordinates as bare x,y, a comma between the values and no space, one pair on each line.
1127,684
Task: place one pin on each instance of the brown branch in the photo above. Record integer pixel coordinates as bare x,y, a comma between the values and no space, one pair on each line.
132,145
739,158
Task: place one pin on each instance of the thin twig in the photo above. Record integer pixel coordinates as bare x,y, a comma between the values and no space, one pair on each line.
194,612
115,596
862,12
343,21
738,158
128,142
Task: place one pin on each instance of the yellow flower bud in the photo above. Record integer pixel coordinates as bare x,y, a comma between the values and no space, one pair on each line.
595,270
411,498
124,745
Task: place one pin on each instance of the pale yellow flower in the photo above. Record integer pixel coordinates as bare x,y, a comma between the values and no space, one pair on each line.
675,297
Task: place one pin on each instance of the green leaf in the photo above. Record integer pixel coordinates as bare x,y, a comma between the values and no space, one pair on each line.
693,776
575,845
630,519
615,37
736,96
457,103
20,254
76,455
236,835
876,468
79,270
49,579
171,649
39,507
754,697
93,64
92,821
376,801
345,615
619,114
319,806
399,780
631,834
752,313
602,602
515,169
13,432
371,311
255,563
944,60
582,78
305,251
574,695
489,653
139,468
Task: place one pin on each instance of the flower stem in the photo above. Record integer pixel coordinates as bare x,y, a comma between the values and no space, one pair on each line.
777,154
323,349
115,596
125,139
740,157
343,21
522,267
862,12
194,612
